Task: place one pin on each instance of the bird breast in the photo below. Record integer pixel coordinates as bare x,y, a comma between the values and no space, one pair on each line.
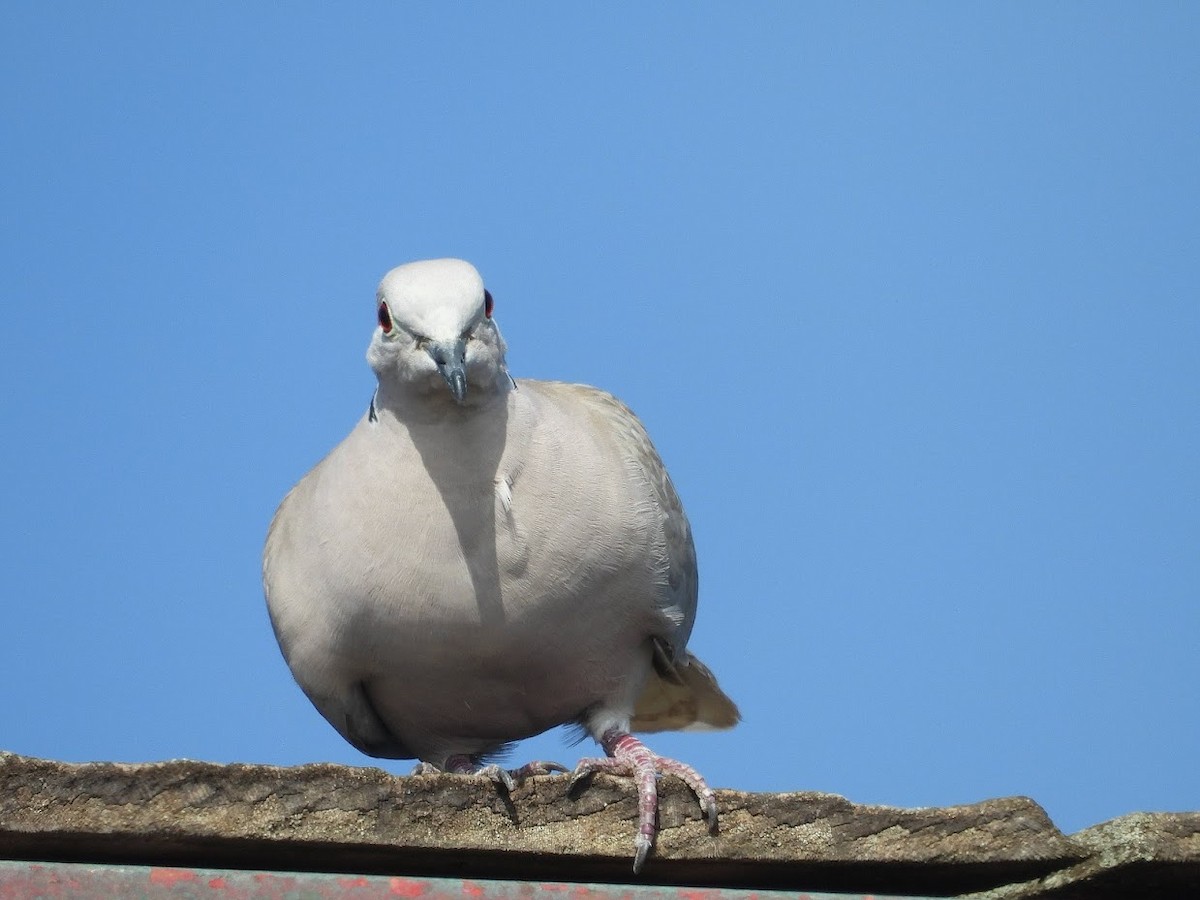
485,540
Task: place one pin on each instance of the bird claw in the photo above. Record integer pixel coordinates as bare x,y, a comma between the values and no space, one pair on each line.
506,778
586,768
580,774
694,780
538,767
500,776
641,849
629,757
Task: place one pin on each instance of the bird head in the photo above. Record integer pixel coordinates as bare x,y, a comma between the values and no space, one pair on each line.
436,332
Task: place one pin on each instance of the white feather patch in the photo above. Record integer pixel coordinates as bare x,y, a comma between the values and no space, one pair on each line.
504,487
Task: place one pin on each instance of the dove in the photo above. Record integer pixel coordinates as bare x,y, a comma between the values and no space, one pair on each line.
484,558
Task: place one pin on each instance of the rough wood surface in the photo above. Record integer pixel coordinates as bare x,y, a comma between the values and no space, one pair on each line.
1138,855
334,818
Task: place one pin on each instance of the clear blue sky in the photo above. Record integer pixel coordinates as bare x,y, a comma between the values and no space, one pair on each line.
907,294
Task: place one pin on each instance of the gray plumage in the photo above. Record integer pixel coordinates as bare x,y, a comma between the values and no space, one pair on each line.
482,559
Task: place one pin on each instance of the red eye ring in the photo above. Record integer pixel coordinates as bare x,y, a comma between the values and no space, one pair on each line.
385,317
488,303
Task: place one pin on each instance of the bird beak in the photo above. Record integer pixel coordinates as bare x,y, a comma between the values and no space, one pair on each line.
451,359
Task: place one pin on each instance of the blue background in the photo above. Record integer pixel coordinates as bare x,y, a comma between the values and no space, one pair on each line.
905,293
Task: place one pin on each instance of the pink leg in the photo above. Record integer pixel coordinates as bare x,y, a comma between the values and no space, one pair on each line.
629,757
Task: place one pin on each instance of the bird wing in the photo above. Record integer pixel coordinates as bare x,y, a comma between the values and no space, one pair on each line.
678,583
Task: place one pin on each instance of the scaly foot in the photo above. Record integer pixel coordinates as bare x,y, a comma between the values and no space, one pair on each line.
461,764
628,756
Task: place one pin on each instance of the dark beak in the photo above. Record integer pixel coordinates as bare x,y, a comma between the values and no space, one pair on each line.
451,359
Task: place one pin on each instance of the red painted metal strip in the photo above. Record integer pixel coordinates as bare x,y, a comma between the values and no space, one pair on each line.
80,881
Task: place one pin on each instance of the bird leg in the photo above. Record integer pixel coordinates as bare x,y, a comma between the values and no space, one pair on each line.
628,756
461,764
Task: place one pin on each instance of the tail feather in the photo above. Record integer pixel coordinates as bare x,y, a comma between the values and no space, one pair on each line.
686,697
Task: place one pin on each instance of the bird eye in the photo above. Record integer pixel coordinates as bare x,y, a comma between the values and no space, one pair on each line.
488,303
385,317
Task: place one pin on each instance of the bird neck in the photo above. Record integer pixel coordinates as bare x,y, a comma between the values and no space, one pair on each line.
411,402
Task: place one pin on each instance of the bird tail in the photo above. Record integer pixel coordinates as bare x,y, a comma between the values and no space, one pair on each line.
685,697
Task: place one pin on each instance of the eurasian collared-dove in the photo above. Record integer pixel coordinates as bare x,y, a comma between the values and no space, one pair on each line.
483,559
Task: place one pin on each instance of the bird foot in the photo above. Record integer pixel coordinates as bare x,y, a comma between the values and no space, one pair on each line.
538,767
460,764
629,757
